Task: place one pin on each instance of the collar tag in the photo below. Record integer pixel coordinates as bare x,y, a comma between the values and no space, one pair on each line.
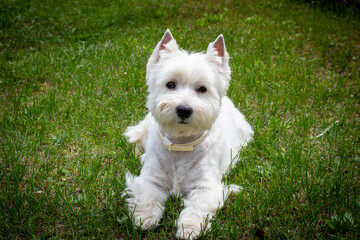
167,143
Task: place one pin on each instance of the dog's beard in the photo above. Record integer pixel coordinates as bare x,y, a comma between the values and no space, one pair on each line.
200,121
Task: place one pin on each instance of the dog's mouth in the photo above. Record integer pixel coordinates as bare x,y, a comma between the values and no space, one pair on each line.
182,122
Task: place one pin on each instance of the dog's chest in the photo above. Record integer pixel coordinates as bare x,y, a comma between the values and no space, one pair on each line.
182,169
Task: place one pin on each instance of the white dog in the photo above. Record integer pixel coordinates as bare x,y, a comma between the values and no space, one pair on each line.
191,136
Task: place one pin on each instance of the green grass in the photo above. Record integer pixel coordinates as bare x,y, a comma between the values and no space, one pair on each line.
72,79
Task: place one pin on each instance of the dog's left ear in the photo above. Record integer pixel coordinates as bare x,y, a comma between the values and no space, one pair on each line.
217,49
217,54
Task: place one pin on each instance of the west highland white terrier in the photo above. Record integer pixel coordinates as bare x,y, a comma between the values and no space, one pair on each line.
190,137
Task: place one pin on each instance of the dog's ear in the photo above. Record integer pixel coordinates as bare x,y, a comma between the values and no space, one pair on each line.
217,49
217,54
219,45
166,45
165,39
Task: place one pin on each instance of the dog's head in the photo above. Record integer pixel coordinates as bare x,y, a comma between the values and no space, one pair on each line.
185,90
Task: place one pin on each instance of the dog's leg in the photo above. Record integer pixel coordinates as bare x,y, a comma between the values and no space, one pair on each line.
200,205
145,200
139,133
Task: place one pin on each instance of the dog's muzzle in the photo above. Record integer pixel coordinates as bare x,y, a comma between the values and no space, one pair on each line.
184,111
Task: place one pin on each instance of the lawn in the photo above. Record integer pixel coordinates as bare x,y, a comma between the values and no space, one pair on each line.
72,78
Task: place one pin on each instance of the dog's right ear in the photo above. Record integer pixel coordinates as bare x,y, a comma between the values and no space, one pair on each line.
167,44
165,39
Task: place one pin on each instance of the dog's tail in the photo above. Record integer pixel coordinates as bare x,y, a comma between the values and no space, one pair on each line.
232,188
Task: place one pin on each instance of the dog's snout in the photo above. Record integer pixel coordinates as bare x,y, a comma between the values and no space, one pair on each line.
184,111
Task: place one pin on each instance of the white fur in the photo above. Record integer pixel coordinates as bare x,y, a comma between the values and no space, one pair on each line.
196,175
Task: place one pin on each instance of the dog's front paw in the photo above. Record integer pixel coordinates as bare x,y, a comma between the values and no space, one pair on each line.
188,232
145,220
145,201
145,215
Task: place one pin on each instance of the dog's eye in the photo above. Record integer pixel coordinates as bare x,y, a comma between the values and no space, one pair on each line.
170,85
202,89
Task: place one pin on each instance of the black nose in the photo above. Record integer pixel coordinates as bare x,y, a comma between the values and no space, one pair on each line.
183,112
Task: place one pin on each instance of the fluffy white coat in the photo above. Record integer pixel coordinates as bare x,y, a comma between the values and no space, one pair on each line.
199,82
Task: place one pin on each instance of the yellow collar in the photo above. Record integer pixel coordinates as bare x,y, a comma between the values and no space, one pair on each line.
186,147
